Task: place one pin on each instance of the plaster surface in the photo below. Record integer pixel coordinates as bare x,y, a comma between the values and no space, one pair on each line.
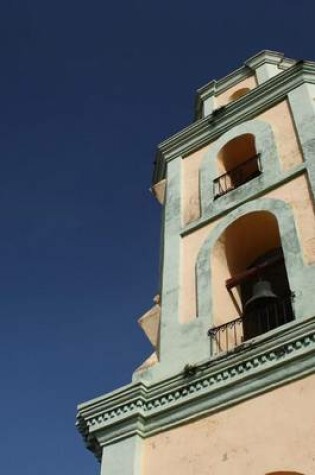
123,458
190,185
256,437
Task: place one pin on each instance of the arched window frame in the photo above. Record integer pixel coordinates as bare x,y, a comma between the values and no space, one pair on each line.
270,162
238,162
290,245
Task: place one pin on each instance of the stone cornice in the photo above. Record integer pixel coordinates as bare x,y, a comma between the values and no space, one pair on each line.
246,70
217,87
206,130
266,56
282,356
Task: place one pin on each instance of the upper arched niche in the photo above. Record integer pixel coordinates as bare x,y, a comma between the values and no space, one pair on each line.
237,163
252,136
239,93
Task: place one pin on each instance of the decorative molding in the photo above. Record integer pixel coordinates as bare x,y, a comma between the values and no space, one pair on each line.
252,368
217,87
263,57
247,107
216,212
246,70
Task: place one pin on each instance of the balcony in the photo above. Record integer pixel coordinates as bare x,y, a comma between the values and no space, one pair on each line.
227,337
237,176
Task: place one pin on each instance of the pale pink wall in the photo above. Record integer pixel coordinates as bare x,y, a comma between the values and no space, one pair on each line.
282,124
255,437
225,97
190,185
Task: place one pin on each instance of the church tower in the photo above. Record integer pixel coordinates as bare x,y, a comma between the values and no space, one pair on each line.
229,389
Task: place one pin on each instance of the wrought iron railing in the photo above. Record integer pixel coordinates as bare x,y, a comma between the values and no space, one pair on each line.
236,177
230,335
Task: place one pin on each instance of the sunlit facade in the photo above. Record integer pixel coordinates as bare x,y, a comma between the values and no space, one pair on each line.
230,387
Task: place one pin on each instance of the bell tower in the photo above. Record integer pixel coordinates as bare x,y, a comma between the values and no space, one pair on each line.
229,388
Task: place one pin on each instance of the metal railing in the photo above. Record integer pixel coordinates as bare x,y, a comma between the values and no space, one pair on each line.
236,177
227,337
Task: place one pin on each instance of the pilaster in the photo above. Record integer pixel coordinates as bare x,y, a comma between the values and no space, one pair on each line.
122,457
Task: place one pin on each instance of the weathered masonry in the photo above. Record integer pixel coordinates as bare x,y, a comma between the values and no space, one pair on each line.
230,388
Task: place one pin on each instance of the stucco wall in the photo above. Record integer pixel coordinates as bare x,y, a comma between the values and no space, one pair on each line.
280,118
255,437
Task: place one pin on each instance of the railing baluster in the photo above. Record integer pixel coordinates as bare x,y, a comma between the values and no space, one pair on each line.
227,338
254,324
236,176
235,335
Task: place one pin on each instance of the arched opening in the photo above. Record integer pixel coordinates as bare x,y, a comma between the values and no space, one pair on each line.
238,163
239,93
249,279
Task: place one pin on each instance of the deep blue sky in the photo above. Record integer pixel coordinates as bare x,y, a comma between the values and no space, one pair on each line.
87,91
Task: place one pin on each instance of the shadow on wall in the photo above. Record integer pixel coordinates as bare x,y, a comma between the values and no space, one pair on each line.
284,473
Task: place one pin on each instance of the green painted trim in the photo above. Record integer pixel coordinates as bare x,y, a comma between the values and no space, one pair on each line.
246,70
272,360
122,457
171,256
301,102
263,65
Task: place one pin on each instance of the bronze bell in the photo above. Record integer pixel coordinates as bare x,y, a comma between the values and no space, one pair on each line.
262,295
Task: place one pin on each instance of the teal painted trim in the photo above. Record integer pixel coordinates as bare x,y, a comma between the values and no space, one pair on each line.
171,257
177,340
215,87
290,244
264,57
122,457
264,64
252,104
270,361
301,101
265,146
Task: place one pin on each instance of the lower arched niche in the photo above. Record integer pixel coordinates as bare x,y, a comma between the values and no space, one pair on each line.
249,252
